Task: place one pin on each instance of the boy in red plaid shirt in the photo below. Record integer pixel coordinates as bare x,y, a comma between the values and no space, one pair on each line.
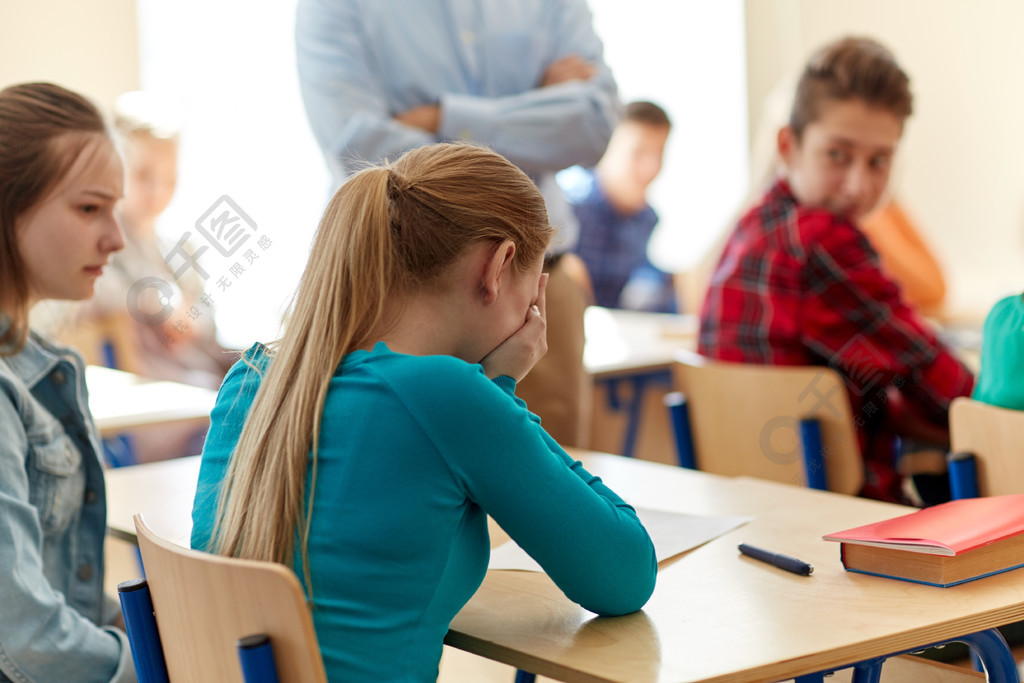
799,284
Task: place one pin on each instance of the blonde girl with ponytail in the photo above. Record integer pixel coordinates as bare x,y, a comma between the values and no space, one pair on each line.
367,446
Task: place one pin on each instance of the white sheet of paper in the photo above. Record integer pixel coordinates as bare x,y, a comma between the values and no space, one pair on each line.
671,533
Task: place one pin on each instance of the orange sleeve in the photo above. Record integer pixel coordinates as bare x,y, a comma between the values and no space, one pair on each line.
905,257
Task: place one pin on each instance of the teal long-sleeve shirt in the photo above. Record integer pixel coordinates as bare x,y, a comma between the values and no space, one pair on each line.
415,452
1002,355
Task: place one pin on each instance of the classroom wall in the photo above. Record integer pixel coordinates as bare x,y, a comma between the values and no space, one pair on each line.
91,47
960,167
957,174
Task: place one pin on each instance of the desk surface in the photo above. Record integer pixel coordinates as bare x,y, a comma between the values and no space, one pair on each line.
717,616
714,616
120,400
161,491
629,342
623,342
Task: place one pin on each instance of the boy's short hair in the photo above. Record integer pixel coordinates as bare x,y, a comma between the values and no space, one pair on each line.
850,69
647,113
144,113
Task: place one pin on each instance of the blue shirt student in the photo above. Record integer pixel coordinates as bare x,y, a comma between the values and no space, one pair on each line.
361,62
613,245
398,540
53,610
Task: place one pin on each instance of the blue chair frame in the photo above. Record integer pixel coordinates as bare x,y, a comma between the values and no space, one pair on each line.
791,424
811,447
255,654
211,603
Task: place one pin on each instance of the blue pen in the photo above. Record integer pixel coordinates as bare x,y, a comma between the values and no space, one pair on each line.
790,564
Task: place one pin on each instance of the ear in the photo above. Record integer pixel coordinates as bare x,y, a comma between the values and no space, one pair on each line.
787,144
497,267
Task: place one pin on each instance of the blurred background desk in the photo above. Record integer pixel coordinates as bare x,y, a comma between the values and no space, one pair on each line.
120,400
162,491
629,355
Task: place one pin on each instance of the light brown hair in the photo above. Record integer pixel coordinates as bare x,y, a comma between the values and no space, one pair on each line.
387,230
850,69
647,113
44,128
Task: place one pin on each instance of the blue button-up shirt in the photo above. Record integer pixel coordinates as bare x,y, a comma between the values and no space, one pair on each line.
361,62
614,247
52,526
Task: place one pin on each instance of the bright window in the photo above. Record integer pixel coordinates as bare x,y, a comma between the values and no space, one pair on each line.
231,66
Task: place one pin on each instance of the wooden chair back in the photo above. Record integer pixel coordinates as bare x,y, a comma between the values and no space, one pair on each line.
744,420
994,436
205,603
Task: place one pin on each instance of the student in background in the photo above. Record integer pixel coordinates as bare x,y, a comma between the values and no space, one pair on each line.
799,284
140,331
905,255
616,222
368,446
138,335
60,177
1002,355
527,79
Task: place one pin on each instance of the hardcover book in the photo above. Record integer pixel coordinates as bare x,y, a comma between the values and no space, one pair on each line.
942,545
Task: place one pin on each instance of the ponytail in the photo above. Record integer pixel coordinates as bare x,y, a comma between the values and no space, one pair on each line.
386,230
339,304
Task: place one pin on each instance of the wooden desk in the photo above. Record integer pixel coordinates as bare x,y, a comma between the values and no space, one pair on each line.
714,616
629,354
120,400
161,491
627,343
717,616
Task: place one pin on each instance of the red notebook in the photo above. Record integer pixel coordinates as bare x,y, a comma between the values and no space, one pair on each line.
942,545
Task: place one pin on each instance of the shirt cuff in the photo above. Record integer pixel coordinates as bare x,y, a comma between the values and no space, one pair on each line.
465,118
506,384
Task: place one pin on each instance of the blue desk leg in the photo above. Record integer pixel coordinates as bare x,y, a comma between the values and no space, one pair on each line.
995,655
810,678
868,671
679,416
633,407
989,646
525,676
636,404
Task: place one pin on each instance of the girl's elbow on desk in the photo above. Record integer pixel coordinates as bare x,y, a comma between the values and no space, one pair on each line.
628,591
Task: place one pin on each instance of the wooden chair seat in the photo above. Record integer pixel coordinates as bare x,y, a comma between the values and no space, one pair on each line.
204,604
745,419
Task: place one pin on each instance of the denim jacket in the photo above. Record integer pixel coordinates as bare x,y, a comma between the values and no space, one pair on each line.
52,524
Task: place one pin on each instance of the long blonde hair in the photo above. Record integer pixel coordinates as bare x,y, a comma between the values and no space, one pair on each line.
388,229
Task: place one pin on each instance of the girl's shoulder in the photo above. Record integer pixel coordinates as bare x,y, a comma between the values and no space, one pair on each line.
437,371
1008,309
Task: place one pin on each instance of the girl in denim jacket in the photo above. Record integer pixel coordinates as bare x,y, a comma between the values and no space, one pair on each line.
60,177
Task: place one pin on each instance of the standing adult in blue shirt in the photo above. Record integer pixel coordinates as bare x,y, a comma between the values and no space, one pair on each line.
616,222
60,177
368,446
526,78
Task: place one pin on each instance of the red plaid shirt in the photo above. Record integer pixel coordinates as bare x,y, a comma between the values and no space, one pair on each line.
801,286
